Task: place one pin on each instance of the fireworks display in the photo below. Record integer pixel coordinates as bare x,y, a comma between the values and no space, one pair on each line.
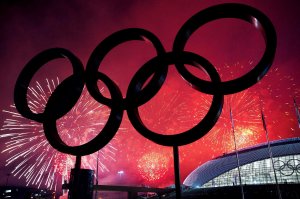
227,44
171,111
31,155
246,117
153,166
176,108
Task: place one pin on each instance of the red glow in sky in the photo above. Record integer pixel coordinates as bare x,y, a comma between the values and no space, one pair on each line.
232,46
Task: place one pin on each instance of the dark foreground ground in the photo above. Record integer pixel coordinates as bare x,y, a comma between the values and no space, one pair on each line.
288,191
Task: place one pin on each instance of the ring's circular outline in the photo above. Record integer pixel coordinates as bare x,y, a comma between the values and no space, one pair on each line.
229,10
287,164
106,46
146,71
38,61
104,137
137,94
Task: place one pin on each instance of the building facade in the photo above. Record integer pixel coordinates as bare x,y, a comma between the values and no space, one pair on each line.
256,166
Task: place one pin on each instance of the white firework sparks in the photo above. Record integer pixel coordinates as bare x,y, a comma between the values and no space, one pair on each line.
33,158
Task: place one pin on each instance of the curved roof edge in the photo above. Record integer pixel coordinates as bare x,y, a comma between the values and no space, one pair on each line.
222,164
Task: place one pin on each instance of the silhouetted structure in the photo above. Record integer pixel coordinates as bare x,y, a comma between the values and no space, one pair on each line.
288,191
14,192
144,85
256,167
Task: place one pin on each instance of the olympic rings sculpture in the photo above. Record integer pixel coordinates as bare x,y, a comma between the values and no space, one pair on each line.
287,168
69,90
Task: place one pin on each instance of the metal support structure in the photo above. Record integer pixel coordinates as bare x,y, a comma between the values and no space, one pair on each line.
237,155
97,175
78,162
7,179
297,111
144,85
177,172
131,191
81,182
270,152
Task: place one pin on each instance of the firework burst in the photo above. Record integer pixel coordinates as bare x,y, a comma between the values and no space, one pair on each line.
33,158
153,166
177,108
247,120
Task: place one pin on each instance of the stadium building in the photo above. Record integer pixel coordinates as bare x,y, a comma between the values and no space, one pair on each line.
256,166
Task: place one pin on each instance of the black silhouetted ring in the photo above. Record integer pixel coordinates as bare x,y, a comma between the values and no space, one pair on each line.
72,86
107,133
287,168
150,68
230,10
106,46
154,72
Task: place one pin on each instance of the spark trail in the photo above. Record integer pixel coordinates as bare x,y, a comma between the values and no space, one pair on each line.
30,155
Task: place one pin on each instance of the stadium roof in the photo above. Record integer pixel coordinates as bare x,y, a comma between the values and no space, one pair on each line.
220,165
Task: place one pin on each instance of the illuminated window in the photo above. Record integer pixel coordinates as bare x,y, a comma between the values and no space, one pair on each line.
287,170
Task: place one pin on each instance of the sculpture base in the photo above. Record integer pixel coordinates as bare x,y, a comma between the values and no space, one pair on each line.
81,184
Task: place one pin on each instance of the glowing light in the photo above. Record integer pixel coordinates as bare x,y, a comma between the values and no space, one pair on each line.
174,109
247,122
153,166
120,172
29,152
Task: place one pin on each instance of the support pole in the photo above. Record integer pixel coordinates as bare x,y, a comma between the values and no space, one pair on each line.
297,112
177,172
81,182
78,162
237,155
97,175
270,152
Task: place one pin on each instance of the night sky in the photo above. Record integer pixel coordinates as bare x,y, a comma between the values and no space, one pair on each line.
233,46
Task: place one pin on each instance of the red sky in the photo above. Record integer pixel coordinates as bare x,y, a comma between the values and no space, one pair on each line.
232,46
